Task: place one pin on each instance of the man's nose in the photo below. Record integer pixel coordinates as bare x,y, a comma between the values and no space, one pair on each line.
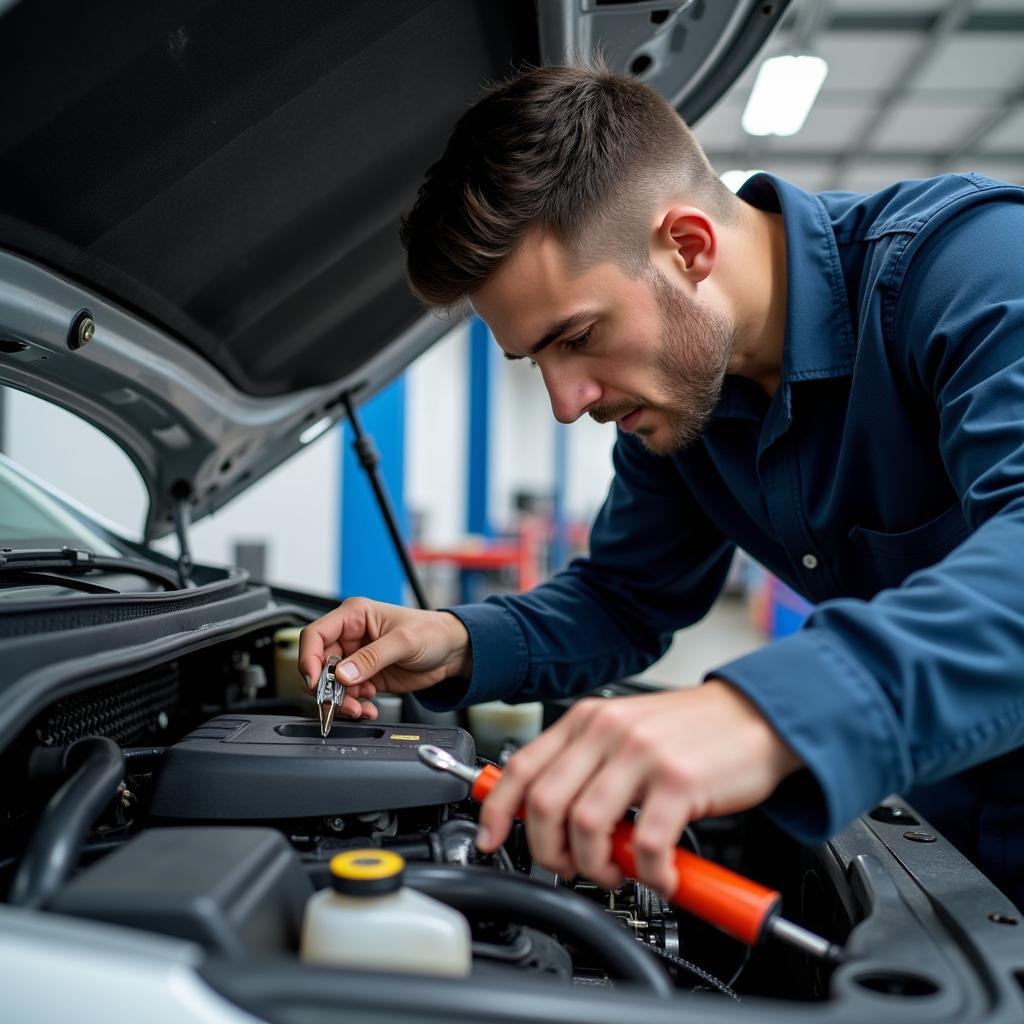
571,395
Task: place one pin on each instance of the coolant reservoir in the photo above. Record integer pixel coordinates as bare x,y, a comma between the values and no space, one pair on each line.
369,919
495,723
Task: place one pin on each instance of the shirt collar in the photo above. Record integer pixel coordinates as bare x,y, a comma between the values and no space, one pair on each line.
819,341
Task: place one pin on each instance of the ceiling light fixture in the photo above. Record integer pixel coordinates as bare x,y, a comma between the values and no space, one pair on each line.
783,94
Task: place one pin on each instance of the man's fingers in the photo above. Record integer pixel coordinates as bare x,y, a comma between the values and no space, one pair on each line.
663,816
326,631
357,707
355,619
600,806
550,801
391,648
498,810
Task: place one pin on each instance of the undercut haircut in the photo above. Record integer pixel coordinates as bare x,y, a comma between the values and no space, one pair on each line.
579,153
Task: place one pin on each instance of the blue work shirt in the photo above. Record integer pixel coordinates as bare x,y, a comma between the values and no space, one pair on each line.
883,481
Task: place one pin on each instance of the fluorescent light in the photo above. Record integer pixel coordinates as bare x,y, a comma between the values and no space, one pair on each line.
311,433
734,179
783,94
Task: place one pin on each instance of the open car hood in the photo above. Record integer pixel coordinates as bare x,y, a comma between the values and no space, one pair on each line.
217,188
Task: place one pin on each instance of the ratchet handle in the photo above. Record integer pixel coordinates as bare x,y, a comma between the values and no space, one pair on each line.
738,906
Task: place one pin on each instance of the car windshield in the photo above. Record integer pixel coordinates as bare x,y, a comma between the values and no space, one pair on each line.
31,518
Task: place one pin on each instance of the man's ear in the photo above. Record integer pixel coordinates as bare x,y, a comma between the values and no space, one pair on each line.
690,235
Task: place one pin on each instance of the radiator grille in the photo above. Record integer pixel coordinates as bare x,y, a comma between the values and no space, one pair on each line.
125,711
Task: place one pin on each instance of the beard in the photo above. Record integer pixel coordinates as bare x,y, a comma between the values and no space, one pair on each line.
696,344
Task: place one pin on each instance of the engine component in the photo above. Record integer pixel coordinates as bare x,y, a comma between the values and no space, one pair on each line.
266,767
457,840
641,910
234,890
525,948
499,895
129,711
96,769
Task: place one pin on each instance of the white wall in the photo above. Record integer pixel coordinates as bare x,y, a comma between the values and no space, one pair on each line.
436,413
522,443
523,447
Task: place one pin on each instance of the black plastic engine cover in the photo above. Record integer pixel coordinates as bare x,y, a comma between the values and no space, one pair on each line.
246,768
237,891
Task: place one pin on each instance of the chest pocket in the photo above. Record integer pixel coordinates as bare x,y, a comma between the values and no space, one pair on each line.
892,557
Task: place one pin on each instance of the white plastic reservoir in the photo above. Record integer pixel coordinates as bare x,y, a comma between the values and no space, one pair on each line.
369,919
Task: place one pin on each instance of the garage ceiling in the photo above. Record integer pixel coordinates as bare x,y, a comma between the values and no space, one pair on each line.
914,88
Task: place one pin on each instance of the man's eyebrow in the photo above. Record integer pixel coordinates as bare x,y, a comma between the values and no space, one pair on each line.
556,332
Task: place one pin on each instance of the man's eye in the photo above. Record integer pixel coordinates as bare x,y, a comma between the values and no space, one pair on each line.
575,344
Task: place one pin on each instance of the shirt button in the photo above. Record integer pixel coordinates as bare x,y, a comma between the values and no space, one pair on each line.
810,561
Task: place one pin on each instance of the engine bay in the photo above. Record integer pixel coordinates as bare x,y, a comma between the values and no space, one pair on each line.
224,806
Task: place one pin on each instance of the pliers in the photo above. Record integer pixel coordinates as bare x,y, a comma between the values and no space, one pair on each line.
329,694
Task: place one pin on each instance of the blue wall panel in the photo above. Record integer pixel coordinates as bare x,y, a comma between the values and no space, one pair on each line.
368,565
479,428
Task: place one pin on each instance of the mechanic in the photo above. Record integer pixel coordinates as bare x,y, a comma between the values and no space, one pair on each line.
834,383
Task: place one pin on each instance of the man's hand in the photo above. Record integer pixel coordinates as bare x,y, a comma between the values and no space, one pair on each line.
680,756
386,648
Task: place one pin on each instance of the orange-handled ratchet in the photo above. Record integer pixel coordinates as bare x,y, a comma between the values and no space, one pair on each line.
738,906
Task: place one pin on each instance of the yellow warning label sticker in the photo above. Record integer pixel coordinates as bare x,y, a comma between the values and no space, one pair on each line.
400,736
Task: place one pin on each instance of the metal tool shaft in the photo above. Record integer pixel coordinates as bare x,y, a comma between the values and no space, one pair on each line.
442,761
788,932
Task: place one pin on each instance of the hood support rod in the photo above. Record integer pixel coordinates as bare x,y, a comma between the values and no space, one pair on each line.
369,459
182,522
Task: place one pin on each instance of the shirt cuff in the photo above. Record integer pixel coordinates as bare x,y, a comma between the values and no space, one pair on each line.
499,660
833,715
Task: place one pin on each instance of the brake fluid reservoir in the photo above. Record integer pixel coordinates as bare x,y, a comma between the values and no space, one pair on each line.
369,919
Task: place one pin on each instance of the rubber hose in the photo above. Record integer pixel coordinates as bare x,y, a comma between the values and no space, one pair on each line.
96,767
496,895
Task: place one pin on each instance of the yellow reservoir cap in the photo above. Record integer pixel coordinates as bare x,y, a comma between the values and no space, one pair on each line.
369,872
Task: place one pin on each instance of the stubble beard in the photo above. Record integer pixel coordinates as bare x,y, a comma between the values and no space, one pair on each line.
696,344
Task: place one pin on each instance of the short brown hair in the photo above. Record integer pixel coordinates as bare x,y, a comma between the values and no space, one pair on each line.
577,151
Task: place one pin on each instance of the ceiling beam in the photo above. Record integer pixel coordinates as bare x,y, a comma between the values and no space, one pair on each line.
950,20
1012,103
